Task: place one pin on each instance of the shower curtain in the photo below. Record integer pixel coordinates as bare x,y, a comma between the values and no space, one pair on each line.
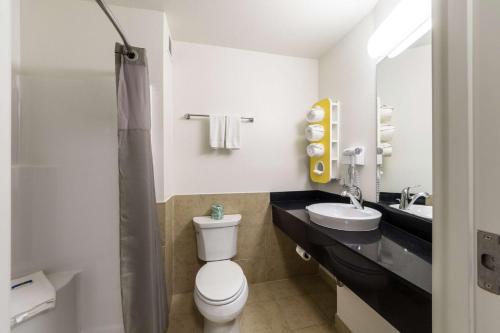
143,288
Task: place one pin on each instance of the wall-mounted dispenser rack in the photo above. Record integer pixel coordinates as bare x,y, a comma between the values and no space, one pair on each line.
323,134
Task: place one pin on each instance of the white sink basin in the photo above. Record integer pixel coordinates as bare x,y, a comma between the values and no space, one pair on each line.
344,216
419,210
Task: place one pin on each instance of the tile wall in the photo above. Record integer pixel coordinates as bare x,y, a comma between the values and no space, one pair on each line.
264,252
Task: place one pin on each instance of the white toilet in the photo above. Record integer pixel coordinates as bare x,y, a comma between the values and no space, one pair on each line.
221,289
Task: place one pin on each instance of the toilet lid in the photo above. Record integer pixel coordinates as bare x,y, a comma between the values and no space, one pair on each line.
219,280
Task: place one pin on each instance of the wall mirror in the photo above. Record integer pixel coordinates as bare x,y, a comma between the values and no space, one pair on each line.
404,129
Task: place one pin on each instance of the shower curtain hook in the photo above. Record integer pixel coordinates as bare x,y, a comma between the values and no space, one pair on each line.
128,50
130,53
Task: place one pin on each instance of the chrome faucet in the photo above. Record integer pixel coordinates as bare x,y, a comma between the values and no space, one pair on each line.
356,198
407,200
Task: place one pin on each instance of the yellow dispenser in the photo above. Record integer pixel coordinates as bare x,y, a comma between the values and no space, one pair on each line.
324,168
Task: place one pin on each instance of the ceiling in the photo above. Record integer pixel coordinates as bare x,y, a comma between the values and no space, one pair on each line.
141,4
302,28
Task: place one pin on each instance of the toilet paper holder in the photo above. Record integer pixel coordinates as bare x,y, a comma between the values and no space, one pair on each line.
302,253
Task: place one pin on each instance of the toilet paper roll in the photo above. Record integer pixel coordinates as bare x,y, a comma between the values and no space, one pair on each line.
302,253
315,132
315,115
315,150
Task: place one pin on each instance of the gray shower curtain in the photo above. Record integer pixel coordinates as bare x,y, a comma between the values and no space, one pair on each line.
142,275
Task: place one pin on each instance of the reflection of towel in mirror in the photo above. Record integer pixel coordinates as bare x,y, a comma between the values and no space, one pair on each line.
29,296
386,133
386,149
385,113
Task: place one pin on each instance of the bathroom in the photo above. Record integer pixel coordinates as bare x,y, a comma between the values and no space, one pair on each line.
303,166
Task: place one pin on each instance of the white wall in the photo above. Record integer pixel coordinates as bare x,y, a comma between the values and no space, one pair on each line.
276,90
405,83
347,74
65,177
168,118
5,160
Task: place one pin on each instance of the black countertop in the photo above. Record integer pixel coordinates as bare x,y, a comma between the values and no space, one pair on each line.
389,268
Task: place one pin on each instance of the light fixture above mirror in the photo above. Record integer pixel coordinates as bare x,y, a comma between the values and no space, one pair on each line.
409,21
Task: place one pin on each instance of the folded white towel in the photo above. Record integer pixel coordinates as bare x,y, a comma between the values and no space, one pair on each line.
386,149
315,114
29,296
315,132
217,131
233,132
315,150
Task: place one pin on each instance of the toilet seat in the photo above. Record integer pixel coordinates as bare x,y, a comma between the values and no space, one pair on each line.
220,282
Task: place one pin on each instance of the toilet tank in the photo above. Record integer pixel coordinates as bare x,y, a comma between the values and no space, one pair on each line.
216,239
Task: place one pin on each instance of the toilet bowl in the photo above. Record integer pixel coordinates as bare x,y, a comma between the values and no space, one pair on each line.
220,294
221,288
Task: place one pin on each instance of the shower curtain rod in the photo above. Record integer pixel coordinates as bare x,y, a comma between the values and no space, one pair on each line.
128,51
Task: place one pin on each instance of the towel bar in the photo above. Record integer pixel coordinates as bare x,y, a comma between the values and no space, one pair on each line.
189,115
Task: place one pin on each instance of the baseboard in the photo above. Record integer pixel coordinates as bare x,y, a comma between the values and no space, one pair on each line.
327,277
340,326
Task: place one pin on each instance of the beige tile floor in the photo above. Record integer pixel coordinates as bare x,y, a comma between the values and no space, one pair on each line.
299,305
